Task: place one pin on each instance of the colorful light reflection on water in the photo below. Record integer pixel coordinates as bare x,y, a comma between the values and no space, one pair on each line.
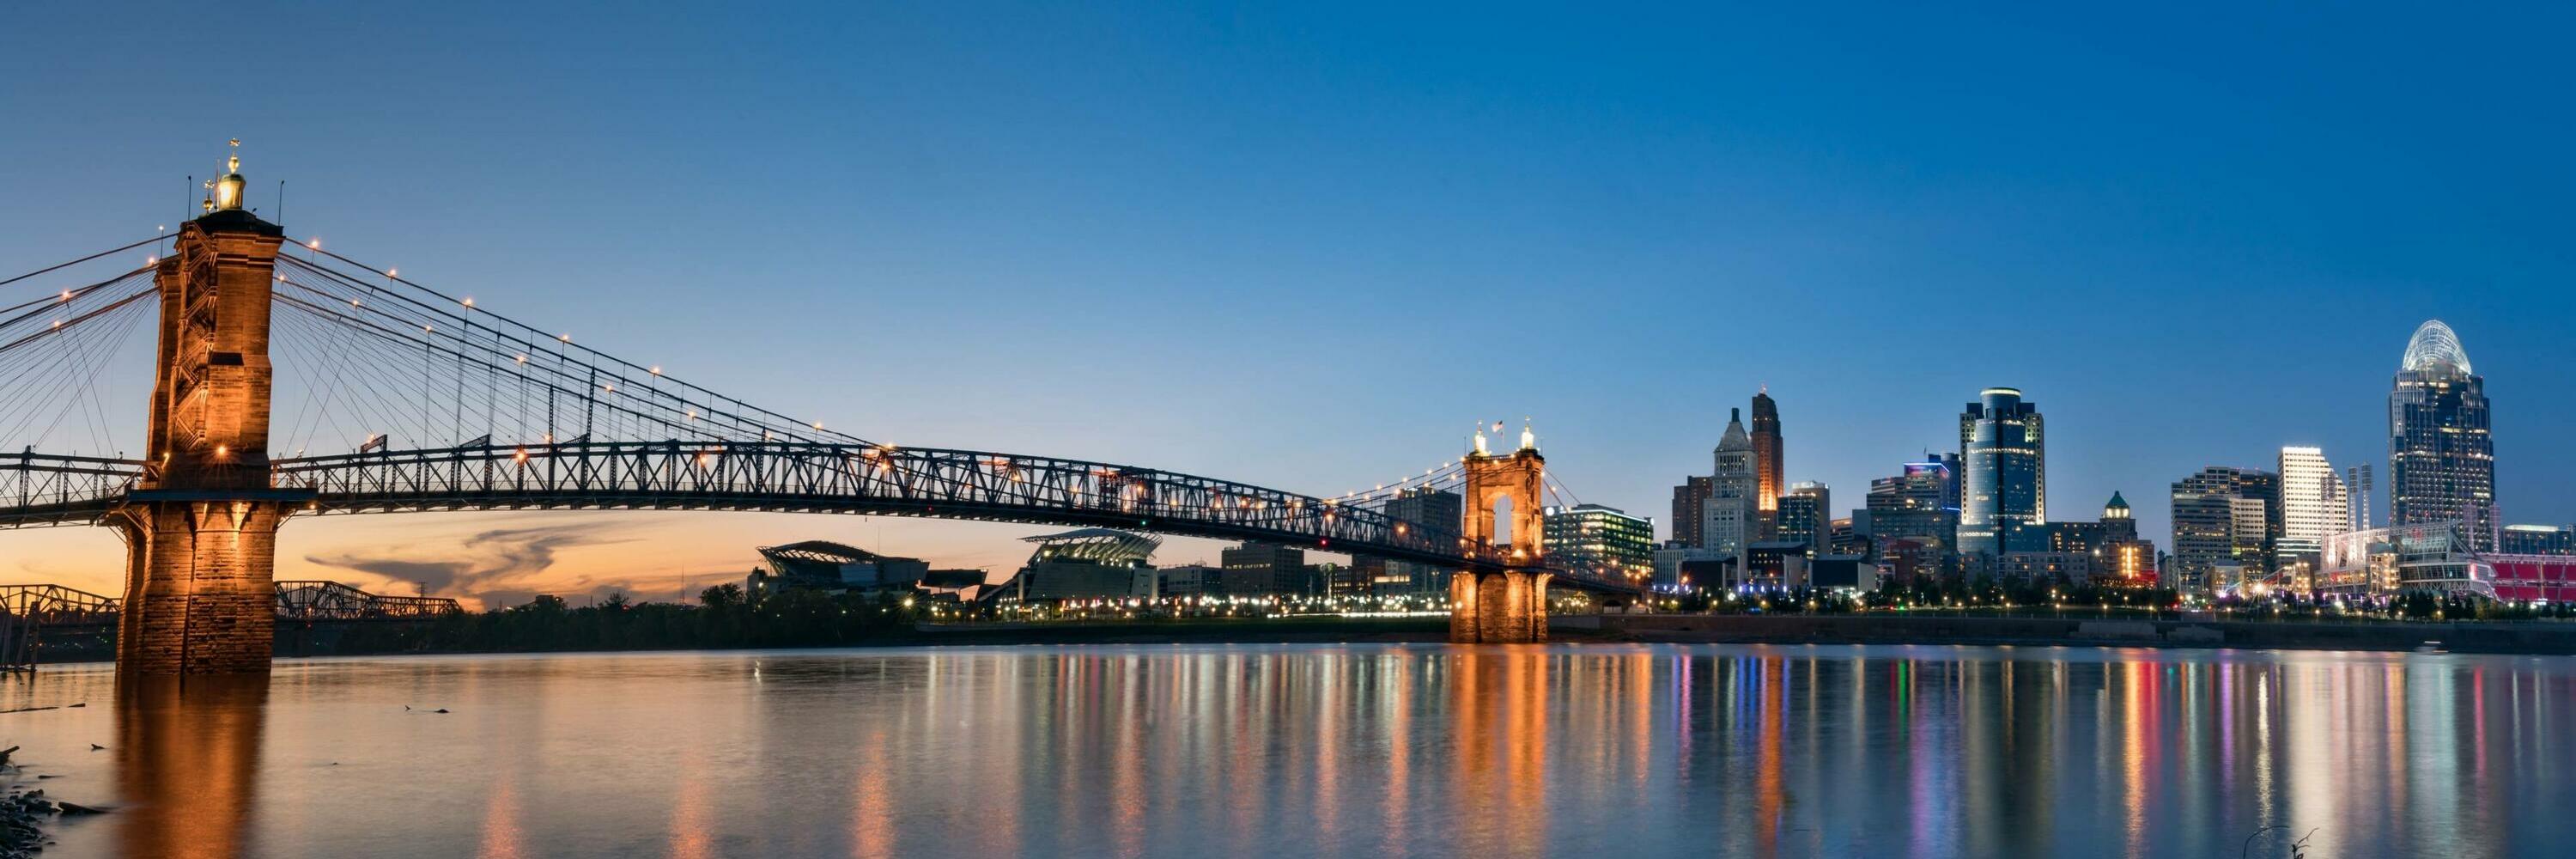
1397,750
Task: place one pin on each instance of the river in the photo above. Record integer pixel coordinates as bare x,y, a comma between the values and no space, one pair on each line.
1304,750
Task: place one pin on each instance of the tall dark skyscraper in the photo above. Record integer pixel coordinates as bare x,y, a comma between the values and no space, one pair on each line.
2441,456
2005,498
1690,509
1768,484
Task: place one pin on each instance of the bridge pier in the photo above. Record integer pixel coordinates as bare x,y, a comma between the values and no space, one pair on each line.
200,596
1506,607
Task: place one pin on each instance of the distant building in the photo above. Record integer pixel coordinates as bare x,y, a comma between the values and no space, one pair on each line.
1678,565
1904,560
1690,508
2127,564
1440,510
2537,540
1848,536
1731,519
1801,514
1920,505
829,566
1265,569
2432,556
2314,505
1600,539
2265,487
1189,580
1843,572
2441,453
2117,524
1338,579
2076,567
1089,563
2223,526
1437,509
1775,564
1767,464
2003,447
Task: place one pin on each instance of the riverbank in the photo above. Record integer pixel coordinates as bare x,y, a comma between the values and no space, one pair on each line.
1882,628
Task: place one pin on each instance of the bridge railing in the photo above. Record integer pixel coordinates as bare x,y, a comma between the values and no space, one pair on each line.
48,489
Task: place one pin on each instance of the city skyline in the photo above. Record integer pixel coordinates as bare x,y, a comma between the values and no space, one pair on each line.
1345,241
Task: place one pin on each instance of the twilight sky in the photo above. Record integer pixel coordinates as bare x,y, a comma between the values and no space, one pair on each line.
1308,246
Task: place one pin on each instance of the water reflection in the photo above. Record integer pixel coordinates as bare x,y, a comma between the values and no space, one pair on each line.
187,764
1383,750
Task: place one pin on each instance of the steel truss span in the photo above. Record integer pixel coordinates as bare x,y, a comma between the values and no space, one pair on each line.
306,601
883,480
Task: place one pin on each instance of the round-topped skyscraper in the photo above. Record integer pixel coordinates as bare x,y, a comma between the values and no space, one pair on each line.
2441,454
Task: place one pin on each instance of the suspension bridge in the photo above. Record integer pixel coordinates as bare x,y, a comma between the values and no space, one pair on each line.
290,380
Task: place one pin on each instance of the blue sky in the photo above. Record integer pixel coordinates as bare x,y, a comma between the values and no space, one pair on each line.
1310,245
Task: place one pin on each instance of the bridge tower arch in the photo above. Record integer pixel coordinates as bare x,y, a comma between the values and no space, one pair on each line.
1507,605
200,525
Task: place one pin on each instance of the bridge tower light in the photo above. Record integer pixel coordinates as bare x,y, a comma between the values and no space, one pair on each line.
228,190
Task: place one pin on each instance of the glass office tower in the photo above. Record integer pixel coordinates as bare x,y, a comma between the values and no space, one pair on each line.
2002,447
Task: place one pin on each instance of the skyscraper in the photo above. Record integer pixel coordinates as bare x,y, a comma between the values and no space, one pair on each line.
2223,527
1441,509
1731,515
1690,506
2314,505
1920,506
1766,462
2003,447
1803,515
2441,456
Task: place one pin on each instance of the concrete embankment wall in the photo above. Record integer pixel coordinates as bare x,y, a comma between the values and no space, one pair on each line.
2466,636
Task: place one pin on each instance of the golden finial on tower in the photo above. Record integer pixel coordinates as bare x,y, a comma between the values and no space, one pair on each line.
228,190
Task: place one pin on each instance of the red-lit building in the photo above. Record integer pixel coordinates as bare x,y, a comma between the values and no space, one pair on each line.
2523,578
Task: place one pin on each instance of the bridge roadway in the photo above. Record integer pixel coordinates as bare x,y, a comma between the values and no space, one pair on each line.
799,476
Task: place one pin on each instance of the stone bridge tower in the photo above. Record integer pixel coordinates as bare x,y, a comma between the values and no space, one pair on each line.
200,527
1509,605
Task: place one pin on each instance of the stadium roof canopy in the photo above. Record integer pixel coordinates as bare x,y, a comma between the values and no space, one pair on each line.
1097,545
